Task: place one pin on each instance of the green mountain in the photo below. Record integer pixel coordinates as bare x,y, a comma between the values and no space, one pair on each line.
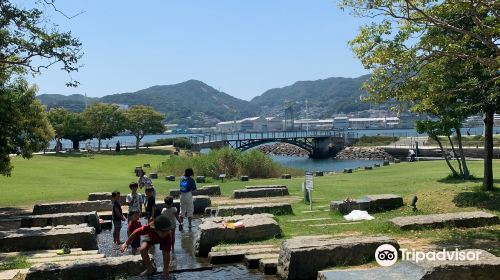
324,97
73,103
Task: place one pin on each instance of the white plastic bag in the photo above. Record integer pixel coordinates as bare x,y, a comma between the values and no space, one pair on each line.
358,215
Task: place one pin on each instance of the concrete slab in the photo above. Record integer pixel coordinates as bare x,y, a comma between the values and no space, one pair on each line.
370,203
268,266
460,219
272,208
210,190
72,207
90,218
105,196
260,192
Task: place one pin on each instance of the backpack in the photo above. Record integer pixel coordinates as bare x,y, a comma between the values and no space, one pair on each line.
184,185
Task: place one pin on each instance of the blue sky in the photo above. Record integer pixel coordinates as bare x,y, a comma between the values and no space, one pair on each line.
240,47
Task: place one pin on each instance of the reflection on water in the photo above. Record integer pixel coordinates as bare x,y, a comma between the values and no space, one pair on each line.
181,258
310,164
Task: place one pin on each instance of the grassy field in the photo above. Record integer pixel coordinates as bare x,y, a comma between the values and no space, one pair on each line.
72,177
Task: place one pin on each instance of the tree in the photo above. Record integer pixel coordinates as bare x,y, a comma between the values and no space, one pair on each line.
29,43
142,120
69,125
414,38
104,121
24,127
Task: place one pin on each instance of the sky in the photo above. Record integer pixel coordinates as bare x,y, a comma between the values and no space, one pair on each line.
240,47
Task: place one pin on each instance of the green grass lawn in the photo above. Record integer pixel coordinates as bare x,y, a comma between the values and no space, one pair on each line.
72,177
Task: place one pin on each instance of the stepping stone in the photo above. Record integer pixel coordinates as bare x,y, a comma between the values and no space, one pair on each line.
261,192
286,176
12,274
272,208
72,207
370,203
266,187
402,270
252,260
386,163
105,196
170,178
201,202
48,253
210,190
153,175
30,239
303,257
319,173
89,218
102,268
238,254
65,258
244,178
460,219
211,231
268,266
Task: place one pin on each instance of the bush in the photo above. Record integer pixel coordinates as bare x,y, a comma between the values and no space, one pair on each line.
228,161
376,140
178,142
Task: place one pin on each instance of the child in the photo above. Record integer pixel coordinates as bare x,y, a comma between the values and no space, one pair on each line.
158,232
134,199
144,181
171,212
132,226
150,204
187,186
117,216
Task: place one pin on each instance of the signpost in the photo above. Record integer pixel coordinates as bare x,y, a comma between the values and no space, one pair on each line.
309,185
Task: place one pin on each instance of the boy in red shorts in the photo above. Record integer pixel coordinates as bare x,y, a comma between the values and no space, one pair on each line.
158,232
134,224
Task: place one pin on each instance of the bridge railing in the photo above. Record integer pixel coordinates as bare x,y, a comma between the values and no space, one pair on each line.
210,138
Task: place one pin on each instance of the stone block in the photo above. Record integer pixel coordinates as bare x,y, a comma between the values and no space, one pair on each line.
368,167
170,178
147,165
252,260
370,203
460,219
200,179
303,257
106,196
386,163
271,208
244,178
262,192
376,165
345,207
211,231
347,170
266,187
286,176
210,190
396,160
31,239
72,207
201,202
153,175
319,173
268,266
401,270
52,220
103,268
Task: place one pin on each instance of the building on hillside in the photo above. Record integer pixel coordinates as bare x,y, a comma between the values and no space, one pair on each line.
341,123
226,127
369,123
313,124
274,124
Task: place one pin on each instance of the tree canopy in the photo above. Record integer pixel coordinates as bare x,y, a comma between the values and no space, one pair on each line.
104,121
142,120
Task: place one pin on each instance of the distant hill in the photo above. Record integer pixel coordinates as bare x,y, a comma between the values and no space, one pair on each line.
325,97
196,104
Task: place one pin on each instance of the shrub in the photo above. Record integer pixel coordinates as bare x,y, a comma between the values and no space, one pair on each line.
178,142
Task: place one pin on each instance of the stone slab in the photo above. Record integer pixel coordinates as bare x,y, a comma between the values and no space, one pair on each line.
106,196
72,207
12,274
261,192
303,257
268,266
211,190
31,239
252,260
90,218
211,231
402,270
153,175
104,268
48,253
244,178
460,219
266,187
272,208
286,176
64,258
201,202
370,203
386,163
238,254
170,178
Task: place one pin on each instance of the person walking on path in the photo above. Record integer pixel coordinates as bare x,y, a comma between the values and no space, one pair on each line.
187,186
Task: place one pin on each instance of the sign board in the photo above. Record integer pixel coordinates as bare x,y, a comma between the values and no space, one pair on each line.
309,180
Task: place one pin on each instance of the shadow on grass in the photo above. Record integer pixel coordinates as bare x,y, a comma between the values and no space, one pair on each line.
482,199
484,238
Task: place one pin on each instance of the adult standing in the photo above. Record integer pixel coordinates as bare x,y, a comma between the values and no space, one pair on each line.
145,182
187,186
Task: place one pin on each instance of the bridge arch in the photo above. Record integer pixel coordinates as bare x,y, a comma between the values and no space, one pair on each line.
255,143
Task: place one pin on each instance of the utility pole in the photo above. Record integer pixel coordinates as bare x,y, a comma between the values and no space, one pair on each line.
307,119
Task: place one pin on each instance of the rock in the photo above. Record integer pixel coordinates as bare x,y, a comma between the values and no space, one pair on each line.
460,219
303,257
72,207
104,268
386,163
31,239
370,203
266,187
262,192
105,196
272,208
153,175
283,149
252,260
211,190
286,176
90,218
170,178
212,232
363,153
319,173
200,179
268,266
201,202
244,178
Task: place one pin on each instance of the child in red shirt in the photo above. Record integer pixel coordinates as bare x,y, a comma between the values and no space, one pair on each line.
134,224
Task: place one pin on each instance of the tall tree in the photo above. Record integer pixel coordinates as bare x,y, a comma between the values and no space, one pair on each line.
24,125
69,125
413,37
104,120
142,120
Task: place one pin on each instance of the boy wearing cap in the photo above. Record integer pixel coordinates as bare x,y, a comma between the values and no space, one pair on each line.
158,232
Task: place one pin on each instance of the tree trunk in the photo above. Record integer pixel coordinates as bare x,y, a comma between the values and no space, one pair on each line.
488,151
137,141
76,144
99,144
455,155
462,154
453,171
